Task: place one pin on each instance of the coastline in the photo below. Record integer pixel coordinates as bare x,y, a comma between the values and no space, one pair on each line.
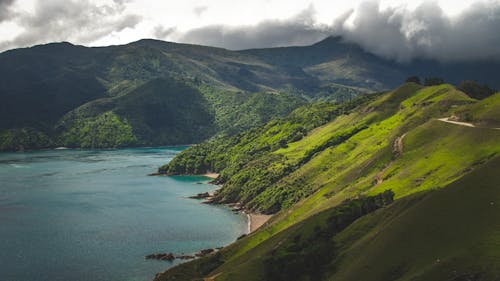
211,175
255,221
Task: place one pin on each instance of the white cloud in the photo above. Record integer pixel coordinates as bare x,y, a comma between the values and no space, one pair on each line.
447,30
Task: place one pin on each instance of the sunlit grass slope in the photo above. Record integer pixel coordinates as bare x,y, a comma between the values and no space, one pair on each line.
391,142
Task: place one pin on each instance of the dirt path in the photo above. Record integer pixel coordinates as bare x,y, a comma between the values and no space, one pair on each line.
447,120
398,145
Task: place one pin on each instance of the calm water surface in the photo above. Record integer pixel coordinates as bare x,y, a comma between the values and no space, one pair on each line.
94,215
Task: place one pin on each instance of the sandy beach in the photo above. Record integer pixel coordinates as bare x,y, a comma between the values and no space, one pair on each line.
211,175
256,220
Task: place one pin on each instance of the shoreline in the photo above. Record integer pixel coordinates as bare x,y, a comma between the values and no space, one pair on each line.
210,175
255,221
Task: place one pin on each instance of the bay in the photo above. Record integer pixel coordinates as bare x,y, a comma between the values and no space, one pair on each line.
94,215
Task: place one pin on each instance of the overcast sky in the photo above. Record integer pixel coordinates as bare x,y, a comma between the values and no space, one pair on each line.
401,30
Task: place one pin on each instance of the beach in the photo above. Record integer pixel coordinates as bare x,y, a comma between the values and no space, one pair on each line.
211,175
256,220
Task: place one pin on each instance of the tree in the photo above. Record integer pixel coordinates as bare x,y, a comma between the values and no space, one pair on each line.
474,90
414,79
433,81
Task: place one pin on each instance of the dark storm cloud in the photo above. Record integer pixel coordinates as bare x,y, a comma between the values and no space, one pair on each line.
5,11
425,32
71,20
395,33
298,30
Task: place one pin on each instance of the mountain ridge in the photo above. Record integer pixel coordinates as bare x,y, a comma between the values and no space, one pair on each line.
42,84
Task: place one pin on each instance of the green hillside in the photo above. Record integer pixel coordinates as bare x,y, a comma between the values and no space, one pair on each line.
437,172
44,86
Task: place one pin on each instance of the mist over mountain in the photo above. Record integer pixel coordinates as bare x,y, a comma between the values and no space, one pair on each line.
398,31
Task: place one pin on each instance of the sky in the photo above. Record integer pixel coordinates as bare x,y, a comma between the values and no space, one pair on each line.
395,29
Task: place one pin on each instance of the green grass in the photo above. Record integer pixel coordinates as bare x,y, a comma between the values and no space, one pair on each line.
448,234
484,113
445,234
431,155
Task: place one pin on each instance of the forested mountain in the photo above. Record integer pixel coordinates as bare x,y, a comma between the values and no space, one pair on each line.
60,94
399,185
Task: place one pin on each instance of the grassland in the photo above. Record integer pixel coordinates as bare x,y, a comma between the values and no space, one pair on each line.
390,141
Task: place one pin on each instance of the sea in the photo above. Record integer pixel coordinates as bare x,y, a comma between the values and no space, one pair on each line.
92,215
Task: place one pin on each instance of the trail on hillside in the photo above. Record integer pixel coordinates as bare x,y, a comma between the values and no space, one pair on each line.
397,150
447,120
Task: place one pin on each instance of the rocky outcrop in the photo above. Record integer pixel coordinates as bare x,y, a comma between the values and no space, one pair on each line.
202,195
204,252
163,257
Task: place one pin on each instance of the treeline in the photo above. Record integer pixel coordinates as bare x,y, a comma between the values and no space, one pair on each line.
471,88
304,253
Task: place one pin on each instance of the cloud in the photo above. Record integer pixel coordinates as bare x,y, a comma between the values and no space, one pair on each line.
396,33
300,29
78,21
161,32
5,12
199,10
426,32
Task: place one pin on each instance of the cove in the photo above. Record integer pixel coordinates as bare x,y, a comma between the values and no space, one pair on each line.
94,215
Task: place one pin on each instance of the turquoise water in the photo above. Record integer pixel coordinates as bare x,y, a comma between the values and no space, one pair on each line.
94,215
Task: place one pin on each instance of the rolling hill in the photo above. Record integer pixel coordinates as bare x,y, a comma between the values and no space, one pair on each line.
330,172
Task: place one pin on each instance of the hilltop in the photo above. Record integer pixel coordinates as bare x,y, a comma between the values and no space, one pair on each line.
330,173
62,94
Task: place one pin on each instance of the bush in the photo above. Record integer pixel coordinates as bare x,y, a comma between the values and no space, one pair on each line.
474,90
413,79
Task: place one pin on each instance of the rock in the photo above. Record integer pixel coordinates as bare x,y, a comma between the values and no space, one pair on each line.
163,257
185,257
200,195
155,174
209,200
204,252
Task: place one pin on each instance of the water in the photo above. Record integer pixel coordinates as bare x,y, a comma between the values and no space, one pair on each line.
93,215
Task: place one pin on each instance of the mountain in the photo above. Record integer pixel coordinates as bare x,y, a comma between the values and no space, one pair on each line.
60,94
333,60
391,186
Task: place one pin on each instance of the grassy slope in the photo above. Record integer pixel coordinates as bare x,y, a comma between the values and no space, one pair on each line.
484,113
444,235
268,172
448,234
432,154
